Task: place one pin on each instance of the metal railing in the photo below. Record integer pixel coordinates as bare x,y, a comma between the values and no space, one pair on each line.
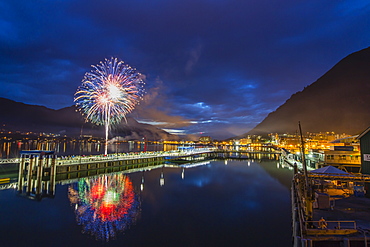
331,225
85,159
77,159
9,161
124,156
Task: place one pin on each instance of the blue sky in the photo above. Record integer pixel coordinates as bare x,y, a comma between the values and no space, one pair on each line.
212,67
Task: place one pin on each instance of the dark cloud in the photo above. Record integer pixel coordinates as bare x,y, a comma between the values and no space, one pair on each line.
153,109
223,65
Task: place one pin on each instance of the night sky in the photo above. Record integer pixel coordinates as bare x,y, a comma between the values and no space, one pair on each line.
212,67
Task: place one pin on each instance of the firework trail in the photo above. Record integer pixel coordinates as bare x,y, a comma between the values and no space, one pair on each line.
109,92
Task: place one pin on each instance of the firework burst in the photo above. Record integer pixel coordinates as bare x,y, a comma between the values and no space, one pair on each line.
109,92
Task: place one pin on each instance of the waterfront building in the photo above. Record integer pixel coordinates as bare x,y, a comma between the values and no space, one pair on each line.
321,149
205,139
245,141
364,139
342,157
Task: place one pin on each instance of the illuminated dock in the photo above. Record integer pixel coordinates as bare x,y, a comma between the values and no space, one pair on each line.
39,170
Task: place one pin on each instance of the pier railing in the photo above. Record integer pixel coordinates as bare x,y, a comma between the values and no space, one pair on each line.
68,160
330,228
303,225
298,210
344,224
10,161
79,159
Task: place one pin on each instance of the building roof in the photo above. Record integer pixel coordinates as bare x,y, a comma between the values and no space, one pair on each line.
331,170
363,133
344,139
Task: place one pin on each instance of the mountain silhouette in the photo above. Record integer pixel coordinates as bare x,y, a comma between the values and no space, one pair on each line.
16,116
338,101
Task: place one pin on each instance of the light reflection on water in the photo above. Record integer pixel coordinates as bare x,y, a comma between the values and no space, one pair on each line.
233,203
104,205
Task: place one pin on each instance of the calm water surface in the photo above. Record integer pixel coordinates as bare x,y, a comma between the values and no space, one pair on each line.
233,203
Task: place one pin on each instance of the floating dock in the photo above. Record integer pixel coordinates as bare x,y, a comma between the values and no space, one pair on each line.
330,210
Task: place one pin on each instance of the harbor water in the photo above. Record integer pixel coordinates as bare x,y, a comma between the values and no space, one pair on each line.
217,203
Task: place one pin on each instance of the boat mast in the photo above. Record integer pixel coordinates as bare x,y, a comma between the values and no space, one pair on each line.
303,156
307,190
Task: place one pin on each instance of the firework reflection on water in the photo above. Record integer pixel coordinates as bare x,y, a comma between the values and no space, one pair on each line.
104,205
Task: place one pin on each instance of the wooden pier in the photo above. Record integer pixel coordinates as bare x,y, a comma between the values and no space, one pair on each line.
38,170
324,214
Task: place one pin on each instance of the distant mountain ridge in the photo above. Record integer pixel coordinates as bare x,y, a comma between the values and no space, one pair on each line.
338,101
66,121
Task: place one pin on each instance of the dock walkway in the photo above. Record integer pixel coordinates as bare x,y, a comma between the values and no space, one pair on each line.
347,209
329,215
86,159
